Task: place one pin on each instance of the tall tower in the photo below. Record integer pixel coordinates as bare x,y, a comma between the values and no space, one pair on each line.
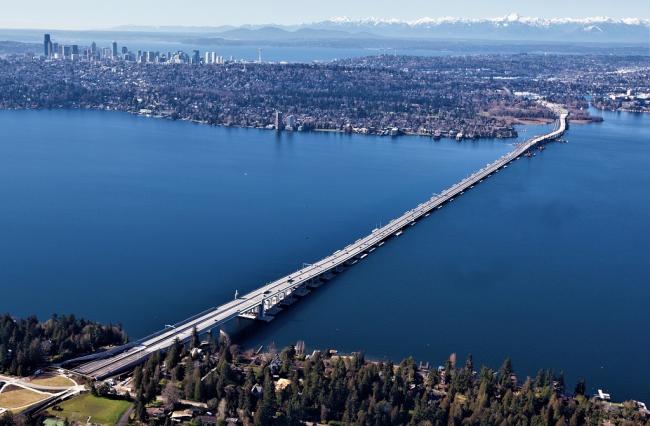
47,46
259,55
278,124
114,50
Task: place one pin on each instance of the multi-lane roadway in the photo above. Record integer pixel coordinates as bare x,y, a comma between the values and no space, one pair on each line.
259,302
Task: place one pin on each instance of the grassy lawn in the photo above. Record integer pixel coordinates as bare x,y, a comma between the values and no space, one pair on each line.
52,380
13,397
100,410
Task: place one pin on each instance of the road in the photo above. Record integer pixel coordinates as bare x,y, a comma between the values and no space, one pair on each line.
50,394
261,302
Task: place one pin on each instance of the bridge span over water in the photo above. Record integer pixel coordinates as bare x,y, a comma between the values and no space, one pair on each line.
266,301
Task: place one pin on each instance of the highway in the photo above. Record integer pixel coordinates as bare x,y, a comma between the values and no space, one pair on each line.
263,302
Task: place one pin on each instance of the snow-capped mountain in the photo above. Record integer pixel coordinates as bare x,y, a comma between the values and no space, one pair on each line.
510,27
511,18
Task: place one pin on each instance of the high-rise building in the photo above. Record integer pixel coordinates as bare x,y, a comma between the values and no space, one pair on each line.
47,46
278,121
291,121
211,58
125,50
196,57
114,50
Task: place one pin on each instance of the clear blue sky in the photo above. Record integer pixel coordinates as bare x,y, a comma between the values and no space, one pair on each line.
94,14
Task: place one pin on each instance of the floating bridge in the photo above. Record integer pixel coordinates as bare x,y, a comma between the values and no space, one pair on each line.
267,301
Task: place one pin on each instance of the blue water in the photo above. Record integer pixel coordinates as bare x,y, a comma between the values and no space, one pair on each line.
145,222
171,42
547,262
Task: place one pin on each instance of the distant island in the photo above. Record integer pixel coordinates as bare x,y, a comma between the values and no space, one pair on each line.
211,381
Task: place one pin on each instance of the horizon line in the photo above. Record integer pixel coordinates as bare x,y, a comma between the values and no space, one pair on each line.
511,17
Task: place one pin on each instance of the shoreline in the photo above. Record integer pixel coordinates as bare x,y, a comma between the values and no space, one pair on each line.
522,122
621,110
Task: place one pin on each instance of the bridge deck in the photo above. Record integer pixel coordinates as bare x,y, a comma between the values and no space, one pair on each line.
118,361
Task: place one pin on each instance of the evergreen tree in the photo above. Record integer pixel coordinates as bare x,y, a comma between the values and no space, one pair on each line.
581,387
137,377
195,342
505,373
266,407
173,355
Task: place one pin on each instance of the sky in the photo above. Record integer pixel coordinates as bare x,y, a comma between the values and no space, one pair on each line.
94,14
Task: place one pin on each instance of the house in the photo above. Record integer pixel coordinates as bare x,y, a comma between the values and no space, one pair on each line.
207,420
181,416
281,384
275,365
155,412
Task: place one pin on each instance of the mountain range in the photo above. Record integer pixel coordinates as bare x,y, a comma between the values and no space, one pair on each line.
512,27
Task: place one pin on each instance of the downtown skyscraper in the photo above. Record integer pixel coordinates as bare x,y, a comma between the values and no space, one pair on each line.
47,46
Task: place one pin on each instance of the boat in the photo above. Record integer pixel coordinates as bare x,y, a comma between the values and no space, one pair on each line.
398,233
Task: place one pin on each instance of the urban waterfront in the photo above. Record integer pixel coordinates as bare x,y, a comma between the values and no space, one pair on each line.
513,268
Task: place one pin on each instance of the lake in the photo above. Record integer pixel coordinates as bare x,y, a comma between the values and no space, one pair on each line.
323,50
144,222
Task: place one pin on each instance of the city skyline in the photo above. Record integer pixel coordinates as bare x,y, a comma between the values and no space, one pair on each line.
48,15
